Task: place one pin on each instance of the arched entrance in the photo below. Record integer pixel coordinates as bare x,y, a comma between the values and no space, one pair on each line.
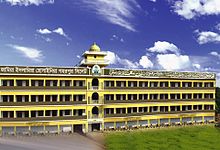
95,96
95,113
95,110
95,82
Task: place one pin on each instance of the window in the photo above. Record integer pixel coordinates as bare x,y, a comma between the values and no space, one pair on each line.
109,97
22,82
163,84
187,84
209,84
143,84
51,82
121,83
197,84
37,82
153,84
174,84
7,82
132,83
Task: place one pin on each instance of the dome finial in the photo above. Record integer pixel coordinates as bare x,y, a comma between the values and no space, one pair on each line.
95,47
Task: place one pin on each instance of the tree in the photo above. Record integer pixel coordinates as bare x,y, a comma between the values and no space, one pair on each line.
217,99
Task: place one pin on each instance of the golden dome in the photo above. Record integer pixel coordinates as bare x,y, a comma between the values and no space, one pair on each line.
95,48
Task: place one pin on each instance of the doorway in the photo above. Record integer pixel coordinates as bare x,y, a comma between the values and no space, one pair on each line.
96,127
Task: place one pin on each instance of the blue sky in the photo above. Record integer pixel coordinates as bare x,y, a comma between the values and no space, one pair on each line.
180,35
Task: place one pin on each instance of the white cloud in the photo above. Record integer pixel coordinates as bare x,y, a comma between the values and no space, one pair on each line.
117,12
145,62
216,54
192,8
163,47
115,37
78,56
58,30
218,26
196,66
28,52
207,37
128,63
44,31
173,61
218,79
153,0
114,59
28,2
111,57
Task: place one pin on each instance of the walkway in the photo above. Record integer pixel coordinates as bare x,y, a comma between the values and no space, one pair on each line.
53,142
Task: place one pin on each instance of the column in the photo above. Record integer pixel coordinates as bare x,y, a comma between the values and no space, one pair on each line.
58,112
29,82
58,129
29,98
29,114
168,96
15,114
59,84
58,97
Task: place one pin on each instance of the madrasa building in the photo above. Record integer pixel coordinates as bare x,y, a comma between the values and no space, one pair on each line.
93,97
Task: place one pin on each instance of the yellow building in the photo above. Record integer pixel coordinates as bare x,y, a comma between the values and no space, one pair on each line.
92,97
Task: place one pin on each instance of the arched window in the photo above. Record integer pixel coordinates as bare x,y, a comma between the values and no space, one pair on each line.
95,110
95,96
95,82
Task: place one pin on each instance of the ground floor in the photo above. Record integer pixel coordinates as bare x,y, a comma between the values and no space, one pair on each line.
104,124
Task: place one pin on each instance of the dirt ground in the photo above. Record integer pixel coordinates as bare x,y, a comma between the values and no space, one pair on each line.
54,142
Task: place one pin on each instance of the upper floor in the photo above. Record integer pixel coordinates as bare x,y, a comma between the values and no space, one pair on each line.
96,83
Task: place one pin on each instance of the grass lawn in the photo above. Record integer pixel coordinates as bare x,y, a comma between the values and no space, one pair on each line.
205,137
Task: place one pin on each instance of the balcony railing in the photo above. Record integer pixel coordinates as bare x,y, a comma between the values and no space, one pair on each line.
153,113
136,87
44,118
155,100
41,103
94,87
43,87
100,101
95,116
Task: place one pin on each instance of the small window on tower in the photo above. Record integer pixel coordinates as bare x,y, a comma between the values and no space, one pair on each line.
95,56
85,57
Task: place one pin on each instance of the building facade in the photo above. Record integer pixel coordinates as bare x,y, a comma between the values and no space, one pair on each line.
92,97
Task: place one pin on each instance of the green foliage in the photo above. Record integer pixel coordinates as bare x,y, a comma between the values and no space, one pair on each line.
184,138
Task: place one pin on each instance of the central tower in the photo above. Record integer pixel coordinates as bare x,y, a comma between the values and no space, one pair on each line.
94,56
